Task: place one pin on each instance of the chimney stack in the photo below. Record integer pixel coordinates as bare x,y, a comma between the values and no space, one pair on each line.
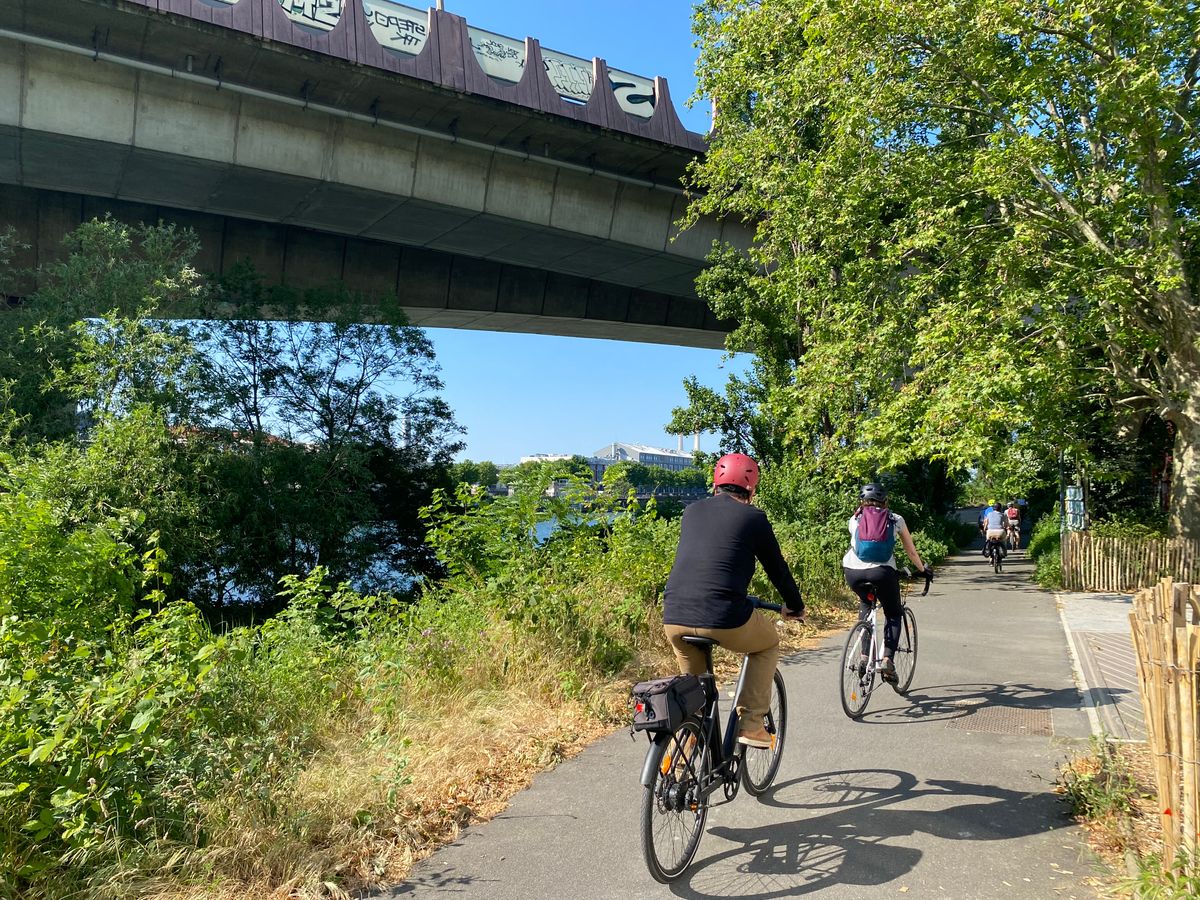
696,445
681,443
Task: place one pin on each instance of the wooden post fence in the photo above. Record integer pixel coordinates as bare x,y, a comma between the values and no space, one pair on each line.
1122,565
1166,641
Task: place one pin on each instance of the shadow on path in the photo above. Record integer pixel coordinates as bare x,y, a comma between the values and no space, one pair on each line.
955,701
852,842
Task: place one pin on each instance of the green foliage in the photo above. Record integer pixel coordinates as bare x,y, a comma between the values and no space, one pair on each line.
1155,881
1100,785
1045,549
974,226
486,474
52,360
1130,528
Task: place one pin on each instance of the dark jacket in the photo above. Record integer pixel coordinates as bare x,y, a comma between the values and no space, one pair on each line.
719,540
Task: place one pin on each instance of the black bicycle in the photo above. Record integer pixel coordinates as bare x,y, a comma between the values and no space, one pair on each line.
686,767
996,554
863,655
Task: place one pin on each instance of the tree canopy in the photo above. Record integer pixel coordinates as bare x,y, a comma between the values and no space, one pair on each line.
975,223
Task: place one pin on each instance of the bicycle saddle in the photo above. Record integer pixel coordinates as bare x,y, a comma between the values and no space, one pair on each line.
696,641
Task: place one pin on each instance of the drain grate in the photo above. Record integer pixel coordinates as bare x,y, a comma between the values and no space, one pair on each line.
1004,720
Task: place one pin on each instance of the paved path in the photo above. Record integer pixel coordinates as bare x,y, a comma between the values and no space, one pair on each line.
946,793
1097,626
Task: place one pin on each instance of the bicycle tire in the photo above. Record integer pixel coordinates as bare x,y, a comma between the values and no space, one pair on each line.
906,653
673,812
997,560
759,766
855,689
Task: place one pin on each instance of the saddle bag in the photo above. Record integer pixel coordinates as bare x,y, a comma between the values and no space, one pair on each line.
663,704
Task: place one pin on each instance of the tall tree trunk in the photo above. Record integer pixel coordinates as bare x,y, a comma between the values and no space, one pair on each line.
1184,517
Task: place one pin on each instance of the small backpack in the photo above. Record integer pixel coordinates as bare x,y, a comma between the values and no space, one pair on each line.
875,538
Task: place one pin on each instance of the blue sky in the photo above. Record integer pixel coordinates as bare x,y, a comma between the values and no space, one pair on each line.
519,394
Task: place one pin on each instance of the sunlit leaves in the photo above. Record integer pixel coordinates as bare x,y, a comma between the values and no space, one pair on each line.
975,221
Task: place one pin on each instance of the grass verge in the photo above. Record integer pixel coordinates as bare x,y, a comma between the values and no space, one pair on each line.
1110,789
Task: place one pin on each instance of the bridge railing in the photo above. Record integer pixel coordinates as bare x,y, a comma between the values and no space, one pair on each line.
1166,635
1121,565
441,48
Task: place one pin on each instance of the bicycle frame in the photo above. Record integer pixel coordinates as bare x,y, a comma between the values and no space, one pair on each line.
876,655
724,750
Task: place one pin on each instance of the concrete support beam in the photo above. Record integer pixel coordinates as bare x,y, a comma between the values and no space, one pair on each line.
102,128
435,289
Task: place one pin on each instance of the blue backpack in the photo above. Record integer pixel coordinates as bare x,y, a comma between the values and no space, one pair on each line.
875,539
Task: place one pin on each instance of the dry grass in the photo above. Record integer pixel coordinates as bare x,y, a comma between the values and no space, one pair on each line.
383,795
1121,838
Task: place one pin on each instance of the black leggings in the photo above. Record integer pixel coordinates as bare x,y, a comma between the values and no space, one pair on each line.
887,592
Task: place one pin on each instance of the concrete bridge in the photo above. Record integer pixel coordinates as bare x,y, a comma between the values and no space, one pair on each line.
489,183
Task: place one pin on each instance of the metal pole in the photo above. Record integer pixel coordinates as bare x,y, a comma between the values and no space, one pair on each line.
441,5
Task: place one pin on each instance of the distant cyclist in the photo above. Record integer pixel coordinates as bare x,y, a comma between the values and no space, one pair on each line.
871,559
720,538
993,528
1013,521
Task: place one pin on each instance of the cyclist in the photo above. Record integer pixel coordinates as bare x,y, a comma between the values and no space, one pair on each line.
720,537
1013,522
871,559
993,524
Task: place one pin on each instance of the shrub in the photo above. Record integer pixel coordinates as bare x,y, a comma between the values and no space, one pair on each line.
1100,784
1045,549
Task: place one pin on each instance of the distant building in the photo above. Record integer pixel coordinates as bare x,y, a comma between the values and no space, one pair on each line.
596,465
672,460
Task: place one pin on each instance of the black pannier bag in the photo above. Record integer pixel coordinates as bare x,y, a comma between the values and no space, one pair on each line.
663,704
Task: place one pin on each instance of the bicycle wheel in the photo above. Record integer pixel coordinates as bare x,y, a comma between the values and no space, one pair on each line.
673,810
906,653
997,559
759,766
855,683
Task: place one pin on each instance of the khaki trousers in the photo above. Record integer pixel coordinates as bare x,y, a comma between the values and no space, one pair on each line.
758,639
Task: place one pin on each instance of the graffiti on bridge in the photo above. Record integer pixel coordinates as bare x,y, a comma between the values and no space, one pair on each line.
404,30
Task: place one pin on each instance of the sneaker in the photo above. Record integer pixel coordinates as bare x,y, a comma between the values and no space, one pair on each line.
887,671
755,737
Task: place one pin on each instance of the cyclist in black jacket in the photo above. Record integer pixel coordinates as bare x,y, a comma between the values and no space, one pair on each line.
720,539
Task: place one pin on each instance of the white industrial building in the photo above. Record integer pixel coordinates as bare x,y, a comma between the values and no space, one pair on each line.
672,460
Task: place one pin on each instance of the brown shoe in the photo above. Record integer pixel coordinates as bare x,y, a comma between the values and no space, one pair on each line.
756,737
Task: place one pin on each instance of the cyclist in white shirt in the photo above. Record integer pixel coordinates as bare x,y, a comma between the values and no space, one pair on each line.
879,571
993,525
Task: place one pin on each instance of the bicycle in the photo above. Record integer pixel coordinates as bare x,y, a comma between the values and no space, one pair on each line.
996,555
685,767
858,677
1013,533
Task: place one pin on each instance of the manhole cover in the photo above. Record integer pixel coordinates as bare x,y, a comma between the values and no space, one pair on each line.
1005,720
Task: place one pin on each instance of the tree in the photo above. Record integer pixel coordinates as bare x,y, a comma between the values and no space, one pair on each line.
323,441
973,221
736,415
56,363
465,472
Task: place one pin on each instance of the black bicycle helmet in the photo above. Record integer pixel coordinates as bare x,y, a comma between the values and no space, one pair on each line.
873,491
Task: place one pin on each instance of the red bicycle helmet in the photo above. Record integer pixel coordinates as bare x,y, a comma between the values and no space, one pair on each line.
738,469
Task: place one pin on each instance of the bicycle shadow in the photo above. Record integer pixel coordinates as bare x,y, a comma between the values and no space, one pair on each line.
944,702
854,842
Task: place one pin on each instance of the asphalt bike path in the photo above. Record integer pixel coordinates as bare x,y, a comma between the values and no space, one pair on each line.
946,793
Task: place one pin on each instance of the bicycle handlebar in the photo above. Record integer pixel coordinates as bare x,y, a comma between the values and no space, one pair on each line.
759,603
913,576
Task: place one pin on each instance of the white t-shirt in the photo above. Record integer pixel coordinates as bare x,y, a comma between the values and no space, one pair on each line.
851,560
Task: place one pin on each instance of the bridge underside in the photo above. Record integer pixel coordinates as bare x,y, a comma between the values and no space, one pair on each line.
466,232
436,289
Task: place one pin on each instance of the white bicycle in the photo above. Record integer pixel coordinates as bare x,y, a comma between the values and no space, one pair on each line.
858,676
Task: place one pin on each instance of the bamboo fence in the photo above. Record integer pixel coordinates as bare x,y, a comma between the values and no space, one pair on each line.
1167,646
1122,565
